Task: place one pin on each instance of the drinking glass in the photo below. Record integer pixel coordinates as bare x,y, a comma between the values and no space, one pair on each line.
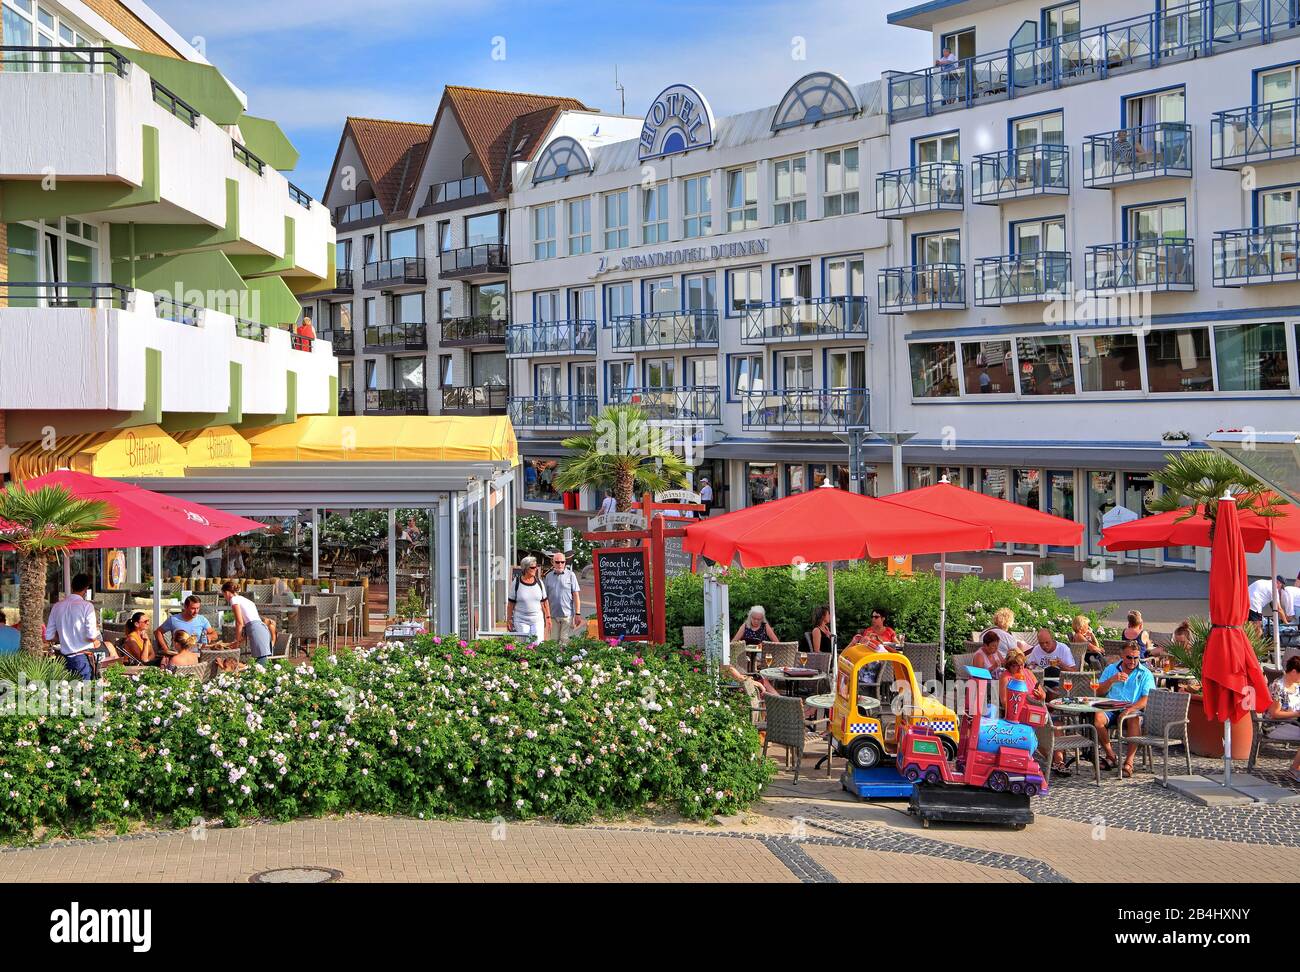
767,659
803,658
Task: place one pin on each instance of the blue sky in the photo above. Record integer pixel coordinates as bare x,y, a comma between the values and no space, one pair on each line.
310,63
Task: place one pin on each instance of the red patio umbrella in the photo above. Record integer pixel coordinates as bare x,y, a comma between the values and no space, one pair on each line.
1009,522
828,524
1185,528
1231,680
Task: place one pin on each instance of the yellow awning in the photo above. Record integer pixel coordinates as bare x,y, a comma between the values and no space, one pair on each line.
120,453
217,447
389,438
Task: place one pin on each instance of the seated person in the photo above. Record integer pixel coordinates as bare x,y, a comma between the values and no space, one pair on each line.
1003,619
1081,633
184,650
877,633
1286,705
189,621
137,646
1053,653
10,638
1017,669
990,655
756,630
1128,680
1137,632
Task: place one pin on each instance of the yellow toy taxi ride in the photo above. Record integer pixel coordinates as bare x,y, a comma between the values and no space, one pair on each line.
876,699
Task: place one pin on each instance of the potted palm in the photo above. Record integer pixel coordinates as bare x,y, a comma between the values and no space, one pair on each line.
39,525
622,452
1204,736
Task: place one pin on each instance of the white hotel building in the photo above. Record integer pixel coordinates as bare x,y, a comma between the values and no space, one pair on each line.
1066,251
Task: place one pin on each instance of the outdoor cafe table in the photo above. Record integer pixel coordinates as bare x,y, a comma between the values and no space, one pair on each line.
826,702
796,681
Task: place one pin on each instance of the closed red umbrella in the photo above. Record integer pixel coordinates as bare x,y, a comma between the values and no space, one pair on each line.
1232,681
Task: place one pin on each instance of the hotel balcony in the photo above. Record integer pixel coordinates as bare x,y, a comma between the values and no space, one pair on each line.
553,412
395,273
1260,133
388,338
128,149
358,215
483,260
342,342
1262,255
470,332
829,410
1198,29
927,188
397,401
664,330
1033,170
347,402
698,405
1028,278
552,338
1137,154
826,318
1147,265
475,400
930,286
343,283
456,194
97,348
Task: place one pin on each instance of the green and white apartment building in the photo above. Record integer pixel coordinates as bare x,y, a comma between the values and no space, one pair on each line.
151,248
1065,251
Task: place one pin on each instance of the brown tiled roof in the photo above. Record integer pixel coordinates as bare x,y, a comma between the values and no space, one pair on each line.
393,154
501,126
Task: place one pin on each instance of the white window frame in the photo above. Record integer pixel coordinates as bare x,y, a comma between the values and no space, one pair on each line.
654,214
697,207
744,216
844,197
544,246
617,235
792,206
579,212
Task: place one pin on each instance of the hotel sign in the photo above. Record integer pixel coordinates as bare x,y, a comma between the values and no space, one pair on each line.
678,120
690,254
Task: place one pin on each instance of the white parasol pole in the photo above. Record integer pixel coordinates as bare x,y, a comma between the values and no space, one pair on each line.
67,573
157,586
1277,603
1227,752
943,612
830,591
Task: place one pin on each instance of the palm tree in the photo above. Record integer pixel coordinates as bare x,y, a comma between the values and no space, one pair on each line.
40,525
622,452
1199,478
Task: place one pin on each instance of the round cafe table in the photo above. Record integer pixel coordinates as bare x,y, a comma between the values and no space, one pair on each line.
796,682
824,702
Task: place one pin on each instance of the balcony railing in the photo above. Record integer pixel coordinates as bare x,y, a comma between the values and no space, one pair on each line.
176,106
577,337
699,404
485,259
457,192
247,159
343,342
805,320
347,401
475,400
1031,170
382,338
396,272
930,286
1262,133
1020,278
343,281
665,329
397,401
301,197
256,331
553,412
1197,29
827,409
64,60
178,312
1137,153
106,296
479,329
920,189
1261,255
1144,265
358,212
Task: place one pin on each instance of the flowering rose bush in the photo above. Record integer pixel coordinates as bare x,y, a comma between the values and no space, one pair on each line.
435,726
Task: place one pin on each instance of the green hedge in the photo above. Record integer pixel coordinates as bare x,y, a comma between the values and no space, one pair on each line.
535,535
433,727
912,604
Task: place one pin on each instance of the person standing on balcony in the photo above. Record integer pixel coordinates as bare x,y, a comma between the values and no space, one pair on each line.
305,334
949,61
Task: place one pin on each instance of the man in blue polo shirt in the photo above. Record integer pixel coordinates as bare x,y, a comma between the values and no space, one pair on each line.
1128,680
189,621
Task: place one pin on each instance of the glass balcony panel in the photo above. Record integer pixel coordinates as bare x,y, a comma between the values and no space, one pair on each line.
665,329
794,410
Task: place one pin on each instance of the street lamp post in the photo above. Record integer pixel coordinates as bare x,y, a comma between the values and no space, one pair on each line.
896,441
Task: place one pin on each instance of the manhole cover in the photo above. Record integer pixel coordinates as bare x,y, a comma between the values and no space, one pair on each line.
296,875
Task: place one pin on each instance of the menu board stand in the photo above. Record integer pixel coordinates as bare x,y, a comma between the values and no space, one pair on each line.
622,593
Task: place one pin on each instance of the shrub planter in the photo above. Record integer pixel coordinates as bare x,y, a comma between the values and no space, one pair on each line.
1206,737
1049,581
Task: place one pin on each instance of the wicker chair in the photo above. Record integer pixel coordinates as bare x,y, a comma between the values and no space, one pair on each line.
283,646
1262,725
786,725
354,599
1053,739
693,636
959,663
1077,683
1164,725
306,625
924,657
738,656
260,593
784,653
331,610
113,600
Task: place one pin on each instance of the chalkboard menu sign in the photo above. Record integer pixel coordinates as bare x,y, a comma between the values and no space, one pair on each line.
622,599
676,560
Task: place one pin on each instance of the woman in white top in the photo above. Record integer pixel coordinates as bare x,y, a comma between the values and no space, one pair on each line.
528,611
248,622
